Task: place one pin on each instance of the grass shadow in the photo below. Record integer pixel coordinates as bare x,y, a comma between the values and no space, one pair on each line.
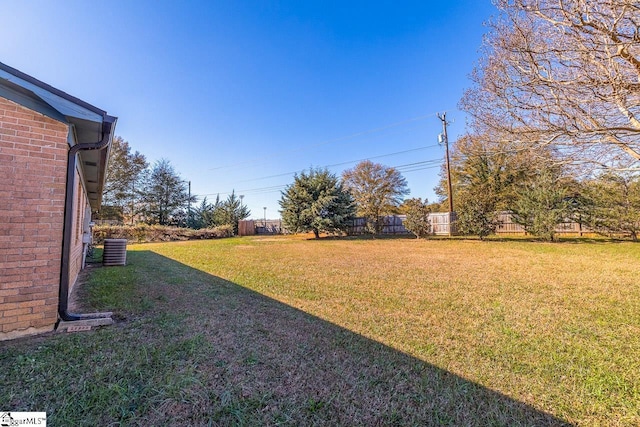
196,349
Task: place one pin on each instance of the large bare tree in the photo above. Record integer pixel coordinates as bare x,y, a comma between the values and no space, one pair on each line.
378,190
562,72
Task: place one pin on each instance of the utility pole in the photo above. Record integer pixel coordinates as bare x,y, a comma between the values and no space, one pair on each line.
189,207
445,140
132,201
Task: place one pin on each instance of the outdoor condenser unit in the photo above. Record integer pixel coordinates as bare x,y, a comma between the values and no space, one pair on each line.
115,252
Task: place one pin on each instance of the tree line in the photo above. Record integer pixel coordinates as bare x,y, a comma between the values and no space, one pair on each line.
554,122
487,178
539,191
553,134
554,130
136,192
319,201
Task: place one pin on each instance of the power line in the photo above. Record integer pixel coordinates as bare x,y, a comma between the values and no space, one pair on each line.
341,164
427,164
405,168
330,141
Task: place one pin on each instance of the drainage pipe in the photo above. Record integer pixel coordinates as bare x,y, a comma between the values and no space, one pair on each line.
63,297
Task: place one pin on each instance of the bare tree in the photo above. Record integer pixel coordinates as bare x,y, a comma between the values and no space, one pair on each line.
564,73
377,190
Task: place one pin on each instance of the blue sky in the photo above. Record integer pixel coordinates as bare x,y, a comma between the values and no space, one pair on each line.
240,94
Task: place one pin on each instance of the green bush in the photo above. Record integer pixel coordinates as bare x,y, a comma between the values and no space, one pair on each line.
417,221
143,233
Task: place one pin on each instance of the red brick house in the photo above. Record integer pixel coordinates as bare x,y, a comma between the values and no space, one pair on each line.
53,154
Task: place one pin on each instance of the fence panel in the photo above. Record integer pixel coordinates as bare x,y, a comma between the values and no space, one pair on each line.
394,225
441,222
508,226
358,226
246,228
270,227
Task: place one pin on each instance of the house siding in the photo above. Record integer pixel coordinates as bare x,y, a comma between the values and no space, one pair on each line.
80,203
33,159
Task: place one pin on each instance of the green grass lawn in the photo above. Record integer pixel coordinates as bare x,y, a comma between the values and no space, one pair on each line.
288,331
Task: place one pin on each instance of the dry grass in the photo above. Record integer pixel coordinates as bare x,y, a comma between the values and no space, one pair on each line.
288,331
552,325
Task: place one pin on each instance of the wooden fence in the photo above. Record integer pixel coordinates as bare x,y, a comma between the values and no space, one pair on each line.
391,225
441,222
508,226
258,226
246,227
394,224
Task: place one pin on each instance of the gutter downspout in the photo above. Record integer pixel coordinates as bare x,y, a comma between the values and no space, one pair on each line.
63,296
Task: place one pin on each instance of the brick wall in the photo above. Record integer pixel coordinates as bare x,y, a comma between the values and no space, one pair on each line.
33,158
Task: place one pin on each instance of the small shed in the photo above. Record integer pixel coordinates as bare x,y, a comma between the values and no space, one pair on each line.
53,156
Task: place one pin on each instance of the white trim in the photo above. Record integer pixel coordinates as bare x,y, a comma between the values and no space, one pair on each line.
63,106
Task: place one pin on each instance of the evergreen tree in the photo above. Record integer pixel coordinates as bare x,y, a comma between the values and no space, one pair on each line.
478,215
615,202
216,215
484,182
317,202
480,163
543,204
487,176
230,211
202,215
165,196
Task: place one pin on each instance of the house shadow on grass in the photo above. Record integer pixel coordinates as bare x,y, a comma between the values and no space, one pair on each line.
261,362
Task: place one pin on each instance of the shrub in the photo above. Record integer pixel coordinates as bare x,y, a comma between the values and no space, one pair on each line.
542,205
477,215
417,221
143,233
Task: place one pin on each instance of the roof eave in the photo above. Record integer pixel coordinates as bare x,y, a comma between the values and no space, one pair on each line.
89,123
